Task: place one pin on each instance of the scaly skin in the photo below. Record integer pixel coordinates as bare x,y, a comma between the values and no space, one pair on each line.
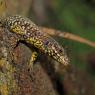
30,33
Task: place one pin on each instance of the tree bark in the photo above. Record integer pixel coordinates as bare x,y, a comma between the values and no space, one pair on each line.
15,78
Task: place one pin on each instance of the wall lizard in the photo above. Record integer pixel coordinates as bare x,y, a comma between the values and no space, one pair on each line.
29,32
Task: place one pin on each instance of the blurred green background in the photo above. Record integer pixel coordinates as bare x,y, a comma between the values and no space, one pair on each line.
74,16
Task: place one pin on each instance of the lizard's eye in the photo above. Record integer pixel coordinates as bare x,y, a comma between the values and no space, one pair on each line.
46,42
60,51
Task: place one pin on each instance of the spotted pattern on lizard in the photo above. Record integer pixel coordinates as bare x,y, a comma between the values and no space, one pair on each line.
32,34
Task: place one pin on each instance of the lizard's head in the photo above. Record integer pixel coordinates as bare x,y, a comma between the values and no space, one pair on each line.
56,51
61,56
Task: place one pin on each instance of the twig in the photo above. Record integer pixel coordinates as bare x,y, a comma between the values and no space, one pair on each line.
67,35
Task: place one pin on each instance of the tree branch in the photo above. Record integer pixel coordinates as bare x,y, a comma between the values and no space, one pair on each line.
67,35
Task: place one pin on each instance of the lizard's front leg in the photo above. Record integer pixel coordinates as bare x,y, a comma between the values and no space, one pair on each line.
32,60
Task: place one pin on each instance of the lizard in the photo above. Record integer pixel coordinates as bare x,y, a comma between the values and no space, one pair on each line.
28,31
